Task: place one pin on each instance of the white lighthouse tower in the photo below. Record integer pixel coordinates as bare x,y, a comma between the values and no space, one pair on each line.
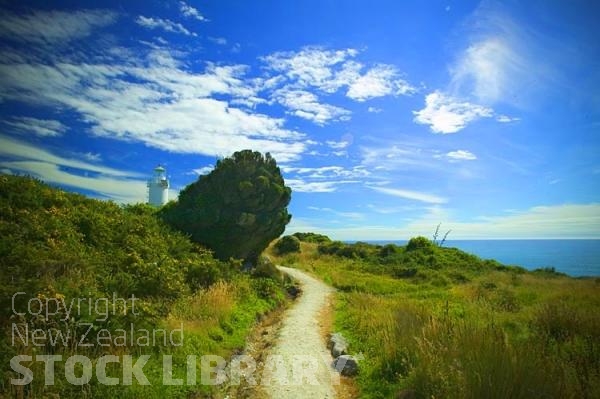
158,187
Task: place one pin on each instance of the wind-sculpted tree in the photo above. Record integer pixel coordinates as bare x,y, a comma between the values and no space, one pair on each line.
237,209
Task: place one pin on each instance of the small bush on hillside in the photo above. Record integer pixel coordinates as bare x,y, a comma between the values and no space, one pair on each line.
287,244
312,237
421,243
388,250
330,248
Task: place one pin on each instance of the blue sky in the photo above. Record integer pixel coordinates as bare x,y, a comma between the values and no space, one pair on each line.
386,117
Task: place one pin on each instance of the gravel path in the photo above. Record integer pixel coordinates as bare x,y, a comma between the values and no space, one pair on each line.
300,349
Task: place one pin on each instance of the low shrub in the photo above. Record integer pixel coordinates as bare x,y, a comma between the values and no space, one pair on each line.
287,244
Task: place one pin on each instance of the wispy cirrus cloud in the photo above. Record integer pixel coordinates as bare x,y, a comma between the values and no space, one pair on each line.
324,178
151,96
77,172
221,41
497,66
108,187
303,186
410,195
392,156
327,172
346,215
461,155
36,126
485,69
155,101
338,145
54,28
21,150
555,221
507,119
164,24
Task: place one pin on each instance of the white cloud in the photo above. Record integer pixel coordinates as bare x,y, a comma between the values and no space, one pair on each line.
382,80
555,221
387,210
411,195
331,70
395,156
312,66
119,185
120,190
90,156
191,12
203,170
506,119
322,179
485,70
221,41
53,28
461,155
374,110
305,104
445,114
347,215
163,106
39,127
327,172
338,145
16,149
165,24
303,186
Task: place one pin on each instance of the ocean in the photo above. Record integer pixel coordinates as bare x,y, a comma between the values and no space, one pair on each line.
573,257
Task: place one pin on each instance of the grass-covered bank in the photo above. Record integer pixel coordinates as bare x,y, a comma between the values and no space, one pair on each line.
59,249
437,322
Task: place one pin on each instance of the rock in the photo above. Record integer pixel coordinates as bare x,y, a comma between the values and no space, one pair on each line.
346,365
335,338
339,350
338,345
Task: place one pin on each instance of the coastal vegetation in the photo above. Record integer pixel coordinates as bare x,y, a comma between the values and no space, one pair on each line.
93,278
436,322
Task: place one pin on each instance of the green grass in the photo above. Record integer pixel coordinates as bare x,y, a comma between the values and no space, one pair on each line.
444,324
57,245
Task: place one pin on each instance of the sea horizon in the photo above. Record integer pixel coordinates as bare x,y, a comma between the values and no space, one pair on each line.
576,257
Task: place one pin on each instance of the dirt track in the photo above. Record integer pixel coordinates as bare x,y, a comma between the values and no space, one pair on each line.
300,348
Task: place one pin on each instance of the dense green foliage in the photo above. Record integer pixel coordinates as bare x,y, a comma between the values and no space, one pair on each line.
287,244
420,259
311,237
237,209
57,245
436,322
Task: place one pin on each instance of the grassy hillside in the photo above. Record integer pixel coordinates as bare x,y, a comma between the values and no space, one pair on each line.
436,322
58,247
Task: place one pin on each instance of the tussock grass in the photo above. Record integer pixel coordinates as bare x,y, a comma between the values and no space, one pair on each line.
480,330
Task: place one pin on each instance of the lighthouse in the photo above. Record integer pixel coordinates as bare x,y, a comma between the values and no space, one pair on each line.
158,187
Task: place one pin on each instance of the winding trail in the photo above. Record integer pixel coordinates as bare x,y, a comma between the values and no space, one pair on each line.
301,345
